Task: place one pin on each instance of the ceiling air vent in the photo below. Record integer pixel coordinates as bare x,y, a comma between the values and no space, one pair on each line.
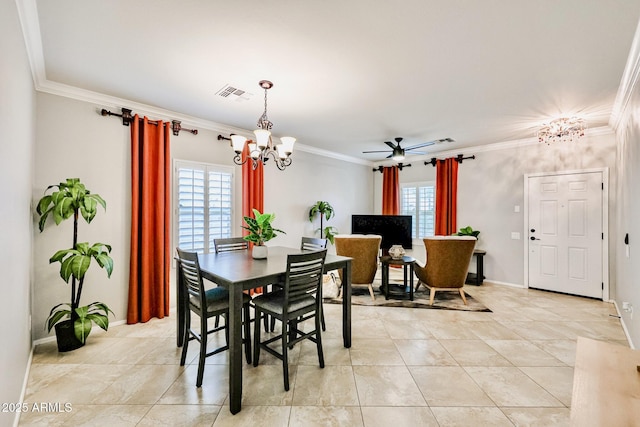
231,92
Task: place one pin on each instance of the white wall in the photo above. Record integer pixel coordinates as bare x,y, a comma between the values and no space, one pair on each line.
17,121
75,141
628,215
491,185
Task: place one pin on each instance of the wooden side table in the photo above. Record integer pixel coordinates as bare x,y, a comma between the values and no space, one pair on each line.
407,263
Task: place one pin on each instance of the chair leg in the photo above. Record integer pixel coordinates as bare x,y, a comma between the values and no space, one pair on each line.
464,298
247,333
432,295
373,297
417,285
203,349
319,341
285,354
185,341
256,338
321,310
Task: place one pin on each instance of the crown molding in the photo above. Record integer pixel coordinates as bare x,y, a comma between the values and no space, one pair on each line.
28,15
627,83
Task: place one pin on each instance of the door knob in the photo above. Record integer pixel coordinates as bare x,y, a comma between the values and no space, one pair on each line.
533,238
533,230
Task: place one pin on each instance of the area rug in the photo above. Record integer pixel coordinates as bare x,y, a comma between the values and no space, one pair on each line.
444,300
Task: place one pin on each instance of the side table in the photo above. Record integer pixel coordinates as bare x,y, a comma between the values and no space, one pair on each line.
478,277
407,266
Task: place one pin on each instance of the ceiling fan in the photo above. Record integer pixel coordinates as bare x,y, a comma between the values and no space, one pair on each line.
398,152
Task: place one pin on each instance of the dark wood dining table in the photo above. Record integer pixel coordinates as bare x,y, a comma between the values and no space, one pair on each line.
238,272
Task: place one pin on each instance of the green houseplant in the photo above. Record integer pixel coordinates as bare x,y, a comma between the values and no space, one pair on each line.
467,231
260,231
325,210
72,321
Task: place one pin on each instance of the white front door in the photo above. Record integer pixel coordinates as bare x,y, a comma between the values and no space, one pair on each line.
565,233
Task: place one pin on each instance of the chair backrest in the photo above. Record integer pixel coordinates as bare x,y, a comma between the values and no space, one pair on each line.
304,276
364,249
230,244
190,271
448,259
313,244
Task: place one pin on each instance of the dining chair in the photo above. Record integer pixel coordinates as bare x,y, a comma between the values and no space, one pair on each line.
206,304
314,244
298,300
230,244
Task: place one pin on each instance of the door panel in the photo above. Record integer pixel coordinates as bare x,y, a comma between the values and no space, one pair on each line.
565,238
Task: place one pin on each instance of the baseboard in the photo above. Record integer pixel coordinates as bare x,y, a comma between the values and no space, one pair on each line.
25,382
624,325
496,282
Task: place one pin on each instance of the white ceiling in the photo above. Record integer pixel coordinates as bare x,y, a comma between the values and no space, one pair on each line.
349,75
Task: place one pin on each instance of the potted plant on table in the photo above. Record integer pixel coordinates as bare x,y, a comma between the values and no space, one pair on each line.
326,211
260,231
467,231
72,321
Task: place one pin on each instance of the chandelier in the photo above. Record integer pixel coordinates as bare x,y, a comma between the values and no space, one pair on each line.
562,130
263,147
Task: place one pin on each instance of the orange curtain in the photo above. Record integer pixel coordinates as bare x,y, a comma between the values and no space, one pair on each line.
390,191
252,186
150,255
446,196
252,192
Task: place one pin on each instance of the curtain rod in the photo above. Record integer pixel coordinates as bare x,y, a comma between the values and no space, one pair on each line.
400,166
459,158
127,118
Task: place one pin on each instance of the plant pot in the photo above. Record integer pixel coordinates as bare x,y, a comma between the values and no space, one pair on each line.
259,252
66,336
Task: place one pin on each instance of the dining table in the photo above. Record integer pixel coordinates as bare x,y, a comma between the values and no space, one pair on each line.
238,271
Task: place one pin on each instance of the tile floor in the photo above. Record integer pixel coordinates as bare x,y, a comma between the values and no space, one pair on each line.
407,367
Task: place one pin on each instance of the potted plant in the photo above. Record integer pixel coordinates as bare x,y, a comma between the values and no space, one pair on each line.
467,231
326,211
260,231
72,321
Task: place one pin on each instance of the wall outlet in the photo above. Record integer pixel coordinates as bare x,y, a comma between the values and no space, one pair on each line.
515,235
628,307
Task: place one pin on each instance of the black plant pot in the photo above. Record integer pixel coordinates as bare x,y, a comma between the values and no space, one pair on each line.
66,337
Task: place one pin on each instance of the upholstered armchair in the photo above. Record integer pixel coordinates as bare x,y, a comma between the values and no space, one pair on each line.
448,259
364,249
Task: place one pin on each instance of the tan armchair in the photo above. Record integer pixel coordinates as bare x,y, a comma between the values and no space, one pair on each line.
364,249
448,259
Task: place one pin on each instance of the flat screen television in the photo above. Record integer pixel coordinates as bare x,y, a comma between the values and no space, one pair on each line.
394,229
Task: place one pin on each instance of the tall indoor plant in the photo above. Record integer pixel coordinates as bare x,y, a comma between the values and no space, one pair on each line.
72,321
325,210
260,231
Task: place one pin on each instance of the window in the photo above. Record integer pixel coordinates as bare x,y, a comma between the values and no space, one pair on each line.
204,208
418,200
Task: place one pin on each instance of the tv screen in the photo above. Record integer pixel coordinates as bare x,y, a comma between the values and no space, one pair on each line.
394,229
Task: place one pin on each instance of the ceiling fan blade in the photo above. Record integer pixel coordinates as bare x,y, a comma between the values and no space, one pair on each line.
416,152
421,145
426,144
390,144
377,151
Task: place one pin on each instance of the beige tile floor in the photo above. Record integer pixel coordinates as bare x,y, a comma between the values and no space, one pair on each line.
407,367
